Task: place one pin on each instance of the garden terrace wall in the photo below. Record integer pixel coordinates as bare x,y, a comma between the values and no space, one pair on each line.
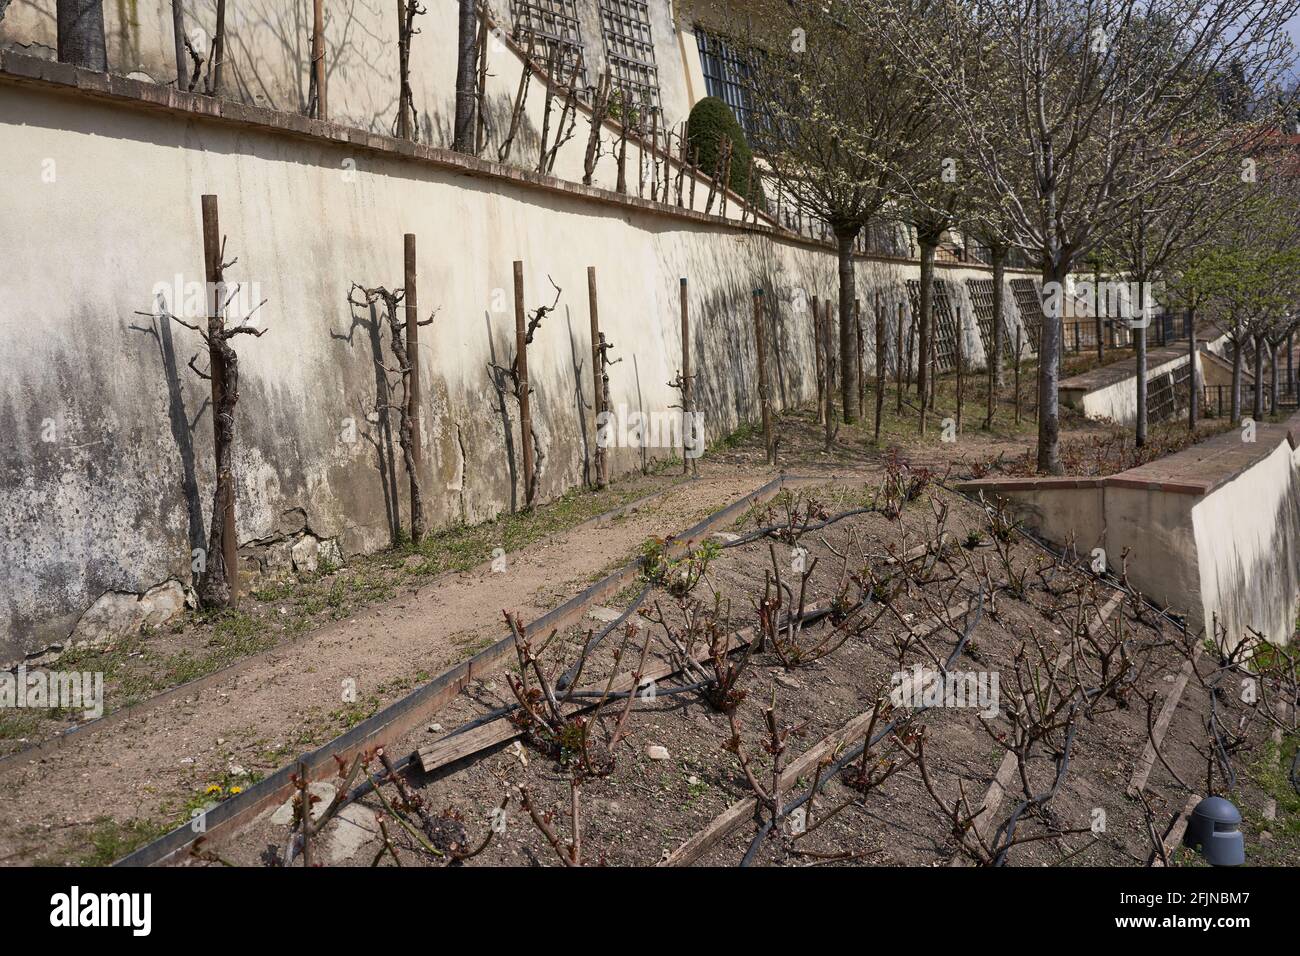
1213,532
106,474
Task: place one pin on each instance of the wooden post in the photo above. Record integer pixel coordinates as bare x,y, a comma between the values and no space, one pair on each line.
760,339
521,366
1019,330
898,360
881,352
1194,391
819,357
689,463
217,371
218,47
597,378
828,408
413,357
318,57
961,355
862,353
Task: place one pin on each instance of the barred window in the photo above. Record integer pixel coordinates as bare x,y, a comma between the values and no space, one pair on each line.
630,51
548,26
728,74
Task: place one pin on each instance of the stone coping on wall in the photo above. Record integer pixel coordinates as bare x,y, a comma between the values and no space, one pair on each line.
1194,471
1096,379
34,71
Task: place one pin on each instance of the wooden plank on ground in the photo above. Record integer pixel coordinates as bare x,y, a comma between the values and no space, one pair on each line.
1001,785
743,809
1142,771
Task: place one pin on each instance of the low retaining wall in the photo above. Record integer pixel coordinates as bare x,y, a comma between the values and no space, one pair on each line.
1212,532
105,479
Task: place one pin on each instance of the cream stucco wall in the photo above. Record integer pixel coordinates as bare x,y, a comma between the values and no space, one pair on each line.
107,480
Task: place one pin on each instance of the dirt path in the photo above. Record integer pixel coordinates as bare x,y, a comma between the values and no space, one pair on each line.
94,798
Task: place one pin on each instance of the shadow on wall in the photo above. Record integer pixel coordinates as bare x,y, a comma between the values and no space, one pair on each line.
182,428
378,413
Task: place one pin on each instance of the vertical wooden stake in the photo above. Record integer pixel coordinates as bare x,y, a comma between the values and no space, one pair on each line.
521,367
898,359
1019,330
413,381
882,350
217,370
597,378
318,57
764,396
961,349
689,462
1194,391
819,358
862,354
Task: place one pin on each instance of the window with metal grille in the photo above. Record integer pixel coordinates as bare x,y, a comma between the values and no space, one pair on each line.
728,73
550,28
944,326
630,51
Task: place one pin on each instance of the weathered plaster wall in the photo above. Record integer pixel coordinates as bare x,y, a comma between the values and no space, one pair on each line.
269,55
1118,402
106,471
1248,544
1223,549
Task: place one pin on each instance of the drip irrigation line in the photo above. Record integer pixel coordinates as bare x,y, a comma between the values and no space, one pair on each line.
569,675
1008,827
856,751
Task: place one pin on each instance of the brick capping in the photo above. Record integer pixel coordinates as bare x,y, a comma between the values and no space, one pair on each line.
26,70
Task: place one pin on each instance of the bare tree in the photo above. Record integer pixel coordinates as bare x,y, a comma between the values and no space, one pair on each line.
1054,99
837,117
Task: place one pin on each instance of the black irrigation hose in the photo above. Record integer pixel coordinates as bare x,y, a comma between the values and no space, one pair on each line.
565,678
569,675
856,751
1008,827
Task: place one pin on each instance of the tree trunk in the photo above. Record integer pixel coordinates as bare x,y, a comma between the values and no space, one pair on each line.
1140,382
1258,405
849,371
1237,361
81,34
1274,385
923,321
1049,375
994,358
466,81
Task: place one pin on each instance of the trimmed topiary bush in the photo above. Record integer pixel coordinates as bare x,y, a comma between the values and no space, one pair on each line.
711,121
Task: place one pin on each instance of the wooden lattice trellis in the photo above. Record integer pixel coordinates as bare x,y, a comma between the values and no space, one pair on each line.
1029,303
630,51
550,28
1167,393
981,296
945,326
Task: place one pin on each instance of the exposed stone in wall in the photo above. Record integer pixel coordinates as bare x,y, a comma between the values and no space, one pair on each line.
118,614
